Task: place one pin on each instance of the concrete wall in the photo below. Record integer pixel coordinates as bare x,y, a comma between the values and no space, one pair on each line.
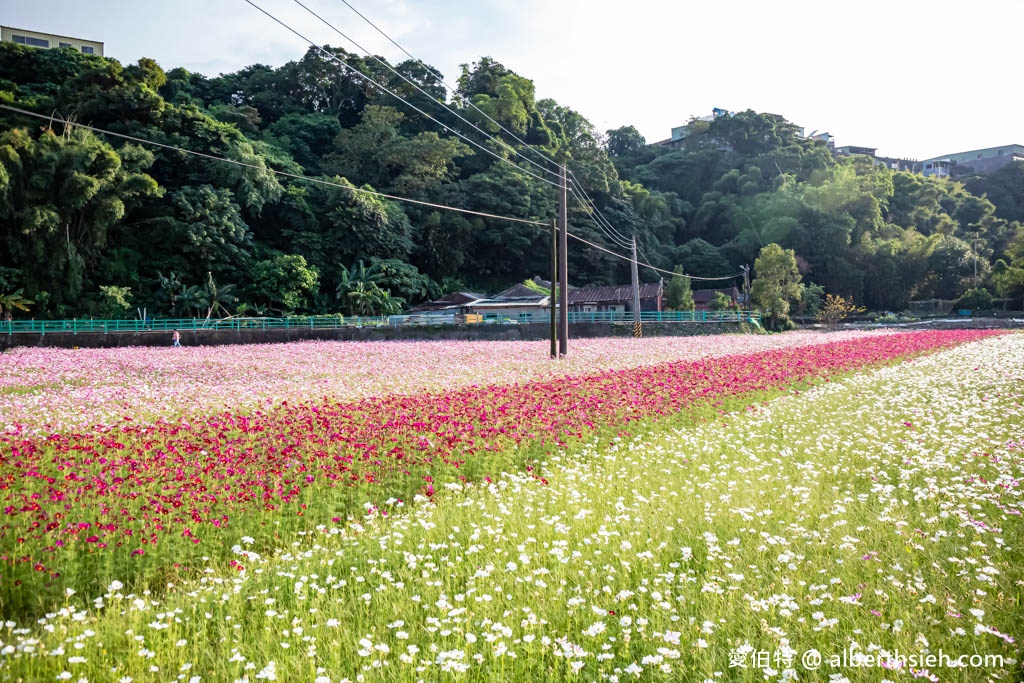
461,332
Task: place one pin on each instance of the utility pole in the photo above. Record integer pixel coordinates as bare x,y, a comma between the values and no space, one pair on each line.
552,300
746,286
563,264
637,328
974,248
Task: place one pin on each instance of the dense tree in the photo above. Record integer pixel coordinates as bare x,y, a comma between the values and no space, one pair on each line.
59,196
623,141
284,282
776,284
86,223
678,293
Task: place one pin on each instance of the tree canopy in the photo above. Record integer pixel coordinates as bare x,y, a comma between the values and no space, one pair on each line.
91,225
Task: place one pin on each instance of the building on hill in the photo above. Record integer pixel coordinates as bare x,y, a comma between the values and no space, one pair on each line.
823,137
46,41
697,124
974,161
892,163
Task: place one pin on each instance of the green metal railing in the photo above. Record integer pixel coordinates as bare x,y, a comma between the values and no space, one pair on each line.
87,325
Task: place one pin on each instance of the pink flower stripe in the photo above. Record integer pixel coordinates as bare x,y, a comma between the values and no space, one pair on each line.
46,390
128,489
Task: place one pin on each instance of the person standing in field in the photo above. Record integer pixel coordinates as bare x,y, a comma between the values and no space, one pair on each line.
176,338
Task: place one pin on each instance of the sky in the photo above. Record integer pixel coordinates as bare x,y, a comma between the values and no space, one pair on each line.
912,78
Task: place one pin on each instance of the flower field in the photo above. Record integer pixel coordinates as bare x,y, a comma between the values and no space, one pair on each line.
662,521
54,390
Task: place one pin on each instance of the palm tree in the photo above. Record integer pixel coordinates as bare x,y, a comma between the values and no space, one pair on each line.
193,299
358,288
12,301
390,305
363,299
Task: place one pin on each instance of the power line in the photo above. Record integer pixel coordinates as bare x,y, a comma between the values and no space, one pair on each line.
453,90
590,201
390,68
286,174
366,78
606,227
601,227
607,223
598,218
647,265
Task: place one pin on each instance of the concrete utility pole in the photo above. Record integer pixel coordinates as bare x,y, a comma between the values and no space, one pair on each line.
974,248
636,293
563,264
746,286
552,299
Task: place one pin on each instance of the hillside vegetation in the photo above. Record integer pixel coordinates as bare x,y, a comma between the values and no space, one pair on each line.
100,225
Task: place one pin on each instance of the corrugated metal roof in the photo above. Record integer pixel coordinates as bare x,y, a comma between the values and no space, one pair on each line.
613,294
519,292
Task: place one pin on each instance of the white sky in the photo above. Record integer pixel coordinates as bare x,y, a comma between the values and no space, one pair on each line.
914,78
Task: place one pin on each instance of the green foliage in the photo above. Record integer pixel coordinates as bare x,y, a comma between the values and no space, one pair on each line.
61,194
360,293
678,292
14,301
532,285
1007,280
721,302
777,285
284,282
835,308
623,141
976,299
78,212
115,302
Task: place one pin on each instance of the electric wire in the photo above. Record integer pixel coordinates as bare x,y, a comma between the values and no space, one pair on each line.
454,92
598,217
383,88
597,211
647,265
286,174
448,109
603,223
590,214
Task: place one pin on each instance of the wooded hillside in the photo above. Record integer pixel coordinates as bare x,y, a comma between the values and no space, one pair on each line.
99,225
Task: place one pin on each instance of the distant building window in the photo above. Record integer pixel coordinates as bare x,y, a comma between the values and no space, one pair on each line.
28,40
927,165
66,45
88,50
979,156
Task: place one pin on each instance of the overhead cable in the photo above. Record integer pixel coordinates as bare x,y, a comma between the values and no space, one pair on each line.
608,224
366,78
295,176
590,214
405,78
453,90
647,265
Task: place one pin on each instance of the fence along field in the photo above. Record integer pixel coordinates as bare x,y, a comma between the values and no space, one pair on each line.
287,555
